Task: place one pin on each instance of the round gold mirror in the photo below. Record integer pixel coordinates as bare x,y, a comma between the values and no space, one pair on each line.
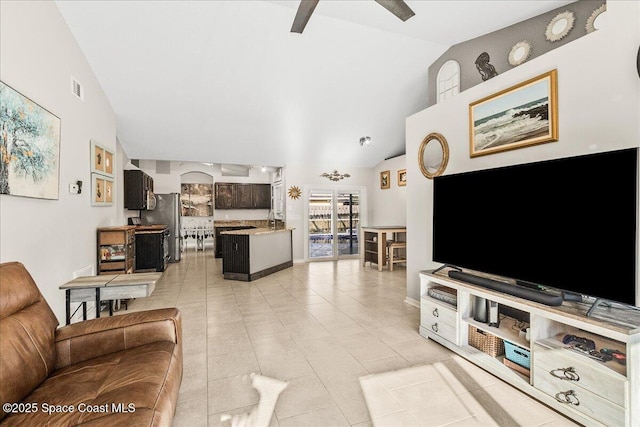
433,155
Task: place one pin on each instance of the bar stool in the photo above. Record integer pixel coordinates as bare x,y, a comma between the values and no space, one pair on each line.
394,257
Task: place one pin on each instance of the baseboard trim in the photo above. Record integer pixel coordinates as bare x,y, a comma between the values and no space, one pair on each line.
412,302
257,275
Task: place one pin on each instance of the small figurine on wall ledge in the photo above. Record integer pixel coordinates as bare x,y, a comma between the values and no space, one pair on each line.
486,70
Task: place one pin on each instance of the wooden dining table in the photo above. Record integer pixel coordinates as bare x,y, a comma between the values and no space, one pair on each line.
375,242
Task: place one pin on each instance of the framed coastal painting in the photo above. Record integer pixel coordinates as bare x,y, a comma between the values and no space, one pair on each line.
29,147
385,179
101,159
519,116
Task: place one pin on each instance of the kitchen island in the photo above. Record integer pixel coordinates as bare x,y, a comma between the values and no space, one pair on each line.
257,252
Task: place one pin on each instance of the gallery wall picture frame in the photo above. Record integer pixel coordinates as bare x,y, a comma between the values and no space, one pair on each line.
102,190
101,159
520,116
29,147
402,177
385,180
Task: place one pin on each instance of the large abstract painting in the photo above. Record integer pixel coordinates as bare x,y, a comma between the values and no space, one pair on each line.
29,147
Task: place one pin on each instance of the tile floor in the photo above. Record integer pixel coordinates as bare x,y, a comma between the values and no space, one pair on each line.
332,330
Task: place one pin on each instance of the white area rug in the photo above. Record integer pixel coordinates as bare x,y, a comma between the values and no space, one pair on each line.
453,392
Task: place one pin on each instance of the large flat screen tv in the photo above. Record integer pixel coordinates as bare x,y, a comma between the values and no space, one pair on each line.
568,223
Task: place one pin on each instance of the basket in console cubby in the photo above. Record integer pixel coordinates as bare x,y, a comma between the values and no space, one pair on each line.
517,354
444,294
486,342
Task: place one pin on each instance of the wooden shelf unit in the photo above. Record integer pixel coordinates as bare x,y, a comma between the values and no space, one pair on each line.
371,247
116,250
586,390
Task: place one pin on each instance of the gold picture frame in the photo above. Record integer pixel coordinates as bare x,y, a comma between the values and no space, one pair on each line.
385,180
520,116
402,177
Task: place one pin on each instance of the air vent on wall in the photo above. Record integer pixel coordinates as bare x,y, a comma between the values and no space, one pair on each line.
77,89
163,167
234,170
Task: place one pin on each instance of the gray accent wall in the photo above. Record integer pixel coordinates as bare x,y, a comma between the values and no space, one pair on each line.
598,110
498,44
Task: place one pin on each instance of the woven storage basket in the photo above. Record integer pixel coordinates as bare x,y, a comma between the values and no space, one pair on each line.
486,342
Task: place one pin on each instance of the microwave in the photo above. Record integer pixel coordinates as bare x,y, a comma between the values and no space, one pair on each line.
151,201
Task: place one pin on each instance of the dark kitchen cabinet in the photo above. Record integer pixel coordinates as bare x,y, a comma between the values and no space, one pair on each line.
218,238
261,195
235,254
242,196
137,187
224,196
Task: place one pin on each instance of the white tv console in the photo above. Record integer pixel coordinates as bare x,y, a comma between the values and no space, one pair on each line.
586,390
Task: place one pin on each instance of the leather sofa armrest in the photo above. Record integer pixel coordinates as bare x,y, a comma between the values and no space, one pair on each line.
96,337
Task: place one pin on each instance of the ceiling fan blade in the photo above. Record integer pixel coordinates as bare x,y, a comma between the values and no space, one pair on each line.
398,8
305,10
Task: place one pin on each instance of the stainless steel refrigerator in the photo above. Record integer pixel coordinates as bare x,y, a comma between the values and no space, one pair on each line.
167,212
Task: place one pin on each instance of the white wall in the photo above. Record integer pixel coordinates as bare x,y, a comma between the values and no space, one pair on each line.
388,206
599,110
307,177
54,238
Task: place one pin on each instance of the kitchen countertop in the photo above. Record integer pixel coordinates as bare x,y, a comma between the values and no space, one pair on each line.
154,228
256,231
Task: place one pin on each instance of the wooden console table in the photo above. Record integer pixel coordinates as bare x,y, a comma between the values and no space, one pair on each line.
107,287
375,243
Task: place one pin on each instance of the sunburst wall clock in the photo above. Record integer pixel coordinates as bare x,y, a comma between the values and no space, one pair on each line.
294,193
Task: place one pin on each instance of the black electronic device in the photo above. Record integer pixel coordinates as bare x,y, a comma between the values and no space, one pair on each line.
480,313
134,220
496,285
557,224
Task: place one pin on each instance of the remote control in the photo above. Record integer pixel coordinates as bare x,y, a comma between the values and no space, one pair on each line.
594,354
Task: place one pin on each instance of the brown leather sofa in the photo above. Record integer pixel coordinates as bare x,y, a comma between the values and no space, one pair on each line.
121,370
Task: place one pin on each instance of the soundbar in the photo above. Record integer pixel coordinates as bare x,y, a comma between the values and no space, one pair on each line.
518,291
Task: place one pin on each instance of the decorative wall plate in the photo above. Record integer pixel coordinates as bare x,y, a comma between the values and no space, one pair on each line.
520,52
597,19
560,26
294,193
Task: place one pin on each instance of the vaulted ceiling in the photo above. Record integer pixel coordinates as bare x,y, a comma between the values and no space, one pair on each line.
227,82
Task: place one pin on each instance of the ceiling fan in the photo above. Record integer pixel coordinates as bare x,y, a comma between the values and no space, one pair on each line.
398,7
